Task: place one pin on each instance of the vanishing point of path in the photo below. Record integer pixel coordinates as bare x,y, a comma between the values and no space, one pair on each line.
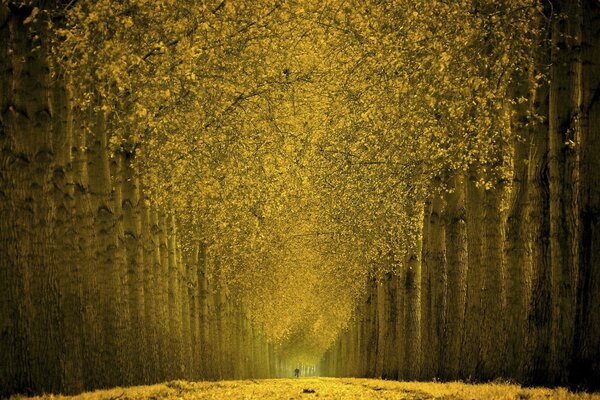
328,388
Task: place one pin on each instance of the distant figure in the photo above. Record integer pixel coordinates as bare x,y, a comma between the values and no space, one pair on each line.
297,372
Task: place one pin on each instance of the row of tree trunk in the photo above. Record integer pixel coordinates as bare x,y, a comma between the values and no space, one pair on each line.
95,290
507,279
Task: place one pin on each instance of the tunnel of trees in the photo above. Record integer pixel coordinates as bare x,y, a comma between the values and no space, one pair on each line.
227,189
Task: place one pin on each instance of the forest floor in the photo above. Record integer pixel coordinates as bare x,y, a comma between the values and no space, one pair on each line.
329,388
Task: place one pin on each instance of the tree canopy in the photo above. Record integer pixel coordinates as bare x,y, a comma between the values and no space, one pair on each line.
297,140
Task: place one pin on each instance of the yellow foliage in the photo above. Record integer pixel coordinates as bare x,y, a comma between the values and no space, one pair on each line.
297,140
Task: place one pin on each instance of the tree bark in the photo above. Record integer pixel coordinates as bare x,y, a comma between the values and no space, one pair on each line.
161,269
516,254
132,225
427,276
436,268
587,342
412,306
456,252
562,159
492,330
66,232
151,291
110,300
472,341
30,299
194,312
386,316
539,314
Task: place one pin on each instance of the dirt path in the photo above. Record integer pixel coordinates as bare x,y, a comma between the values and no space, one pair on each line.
327,388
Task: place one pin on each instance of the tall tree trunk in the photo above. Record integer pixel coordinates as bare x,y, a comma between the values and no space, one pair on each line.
517,259
26,269
472,340
66,230
427,275
587,348
86,249
539,314
125,343
110,299
168,300
456,252
204,295
211,326
161,269
175,314
241,346
362,325
354,350
562,158
436,268
401,328
132,225
184,295
372,326
386,316
151,291
412,306
492,332
194,312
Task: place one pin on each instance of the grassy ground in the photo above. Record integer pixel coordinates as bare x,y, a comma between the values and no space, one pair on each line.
329,388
